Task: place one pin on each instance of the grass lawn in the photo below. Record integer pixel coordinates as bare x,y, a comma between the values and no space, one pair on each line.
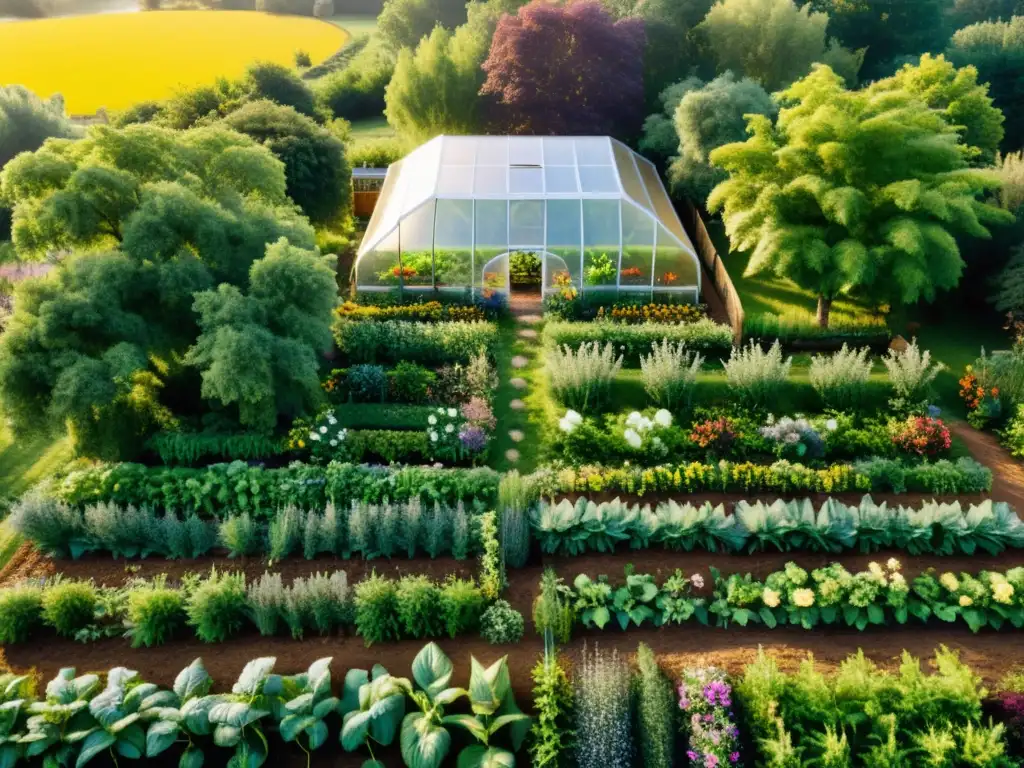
370,129
355,23
23,463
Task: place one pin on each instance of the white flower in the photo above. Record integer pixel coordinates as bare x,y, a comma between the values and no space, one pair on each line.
432,420
314,436
771,418
449,428
831,425
441,411
657,441
334,443
633,419
565,425
433,436
452,413
343,434
323,430
663,418
331,420
573,418
632,438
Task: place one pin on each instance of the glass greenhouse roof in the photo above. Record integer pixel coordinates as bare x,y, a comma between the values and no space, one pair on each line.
480,196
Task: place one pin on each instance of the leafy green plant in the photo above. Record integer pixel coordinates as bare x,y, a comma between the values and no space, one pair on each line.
308,702
238,717
632,341
515,496
462,604
376,609
551,735
553,610
216,608
180,715
670,374
410,383
155,613
240,535
502,624
68,606
492,571
63,713
372,707
21,611
418,602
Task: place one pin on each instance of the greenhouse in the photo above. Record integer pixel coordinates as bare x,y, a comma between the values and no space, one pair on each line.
500,213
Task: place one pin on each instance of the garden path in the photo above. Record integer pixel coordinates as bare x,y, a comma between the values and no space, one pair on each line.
1007,473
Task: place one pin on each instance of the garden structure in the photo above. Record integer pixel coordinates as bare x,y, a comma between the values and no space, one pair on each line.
459,213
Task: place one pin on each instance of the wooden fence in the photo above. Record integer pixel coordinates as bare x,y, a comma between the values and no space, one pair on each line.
714,268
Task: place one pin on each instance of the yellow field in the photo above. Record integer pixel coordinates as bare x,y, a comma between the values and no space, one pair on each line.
116,60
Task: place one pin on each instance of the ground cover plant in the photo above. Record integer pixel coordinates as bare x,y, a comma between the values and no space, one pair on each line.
573,528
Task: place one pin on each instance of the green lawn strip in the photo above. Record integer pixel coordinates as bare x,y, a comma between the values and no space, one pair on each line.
397,416
371,129
355,23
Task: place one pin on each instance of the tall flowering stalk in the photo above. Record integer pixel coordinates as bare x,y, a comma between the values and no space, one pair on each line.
708,719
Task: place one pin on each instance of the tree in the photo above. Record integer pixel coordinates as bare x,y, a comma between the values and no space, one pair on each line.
771,41
357,91
403,23
996,49
26,121
565,70
957,94
853,192
887,29
434,90
317,175
660,140
277,83
967,12
151,218
708,118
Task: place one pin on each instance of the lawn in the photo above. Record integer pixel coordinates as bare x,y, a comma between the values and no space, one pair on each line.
370,129
355,23
115,60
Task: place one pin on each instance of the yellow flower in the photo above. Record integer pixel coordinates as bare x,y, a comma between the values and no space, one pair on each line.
949,581
302,443
803,598
876,569
965,601
893,564
897,578
1002,592
770,598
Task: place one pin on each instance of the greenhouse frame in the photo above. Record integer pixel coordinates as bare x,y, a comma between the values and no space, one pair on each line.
594,212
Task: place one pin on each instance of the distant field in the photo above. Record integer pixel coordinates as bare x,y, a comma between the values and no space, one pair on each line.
116,60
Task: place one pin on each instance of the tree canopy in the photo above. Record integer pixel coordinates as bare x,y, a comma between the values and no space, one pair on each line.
853,192
151,222
771,41
403,23
26,121
584,70
317,176
957,94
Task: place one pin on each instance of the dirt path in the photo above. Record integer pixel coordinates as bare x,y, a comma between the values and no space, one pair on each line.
1007,473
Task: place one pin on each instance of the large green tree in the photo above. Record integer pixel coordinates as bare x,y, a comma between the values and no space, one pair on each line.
147,223
853,192
402,23
316,173
958,95
771,41
996,49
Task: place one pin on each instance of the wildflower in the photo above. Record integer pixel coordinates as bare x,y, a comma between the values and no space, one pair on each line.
803,598
433,436
331,420
314,436
734,757
449,428
770,598
949,581
892,564
441,411
334,443
1002,592
573,417
632,438
663,418
323,430
432,420
965,601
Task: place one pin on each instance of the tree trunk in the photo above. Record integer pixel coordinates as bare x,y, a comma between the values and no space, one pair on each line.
824,308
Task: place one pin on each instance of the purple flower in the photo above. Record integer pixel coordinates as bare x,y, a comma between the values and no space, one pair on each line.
691,755
734,757
473,438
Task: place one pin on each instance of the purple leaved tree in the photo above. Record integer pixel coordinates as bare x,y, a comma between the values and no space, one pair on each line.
566,69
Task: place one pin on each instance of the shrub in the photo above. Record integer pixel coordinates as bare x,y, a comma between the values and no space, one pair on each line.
793,438
284,534
68,606
582,378
376,610
755,376
21,612
1013,435
669,314
418,601
551,736
492,570
632,341
411,383
800,325
154,615
55,528
501,624
319,602
604,733
552,610
911,372
923,436
367,383
241,536
376,153
669,374
514,499
841,379
462,604
655,711
191,448
217,606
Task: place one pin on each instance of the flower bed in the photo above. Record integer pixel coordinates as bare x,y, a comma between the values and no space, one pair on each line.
568,528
